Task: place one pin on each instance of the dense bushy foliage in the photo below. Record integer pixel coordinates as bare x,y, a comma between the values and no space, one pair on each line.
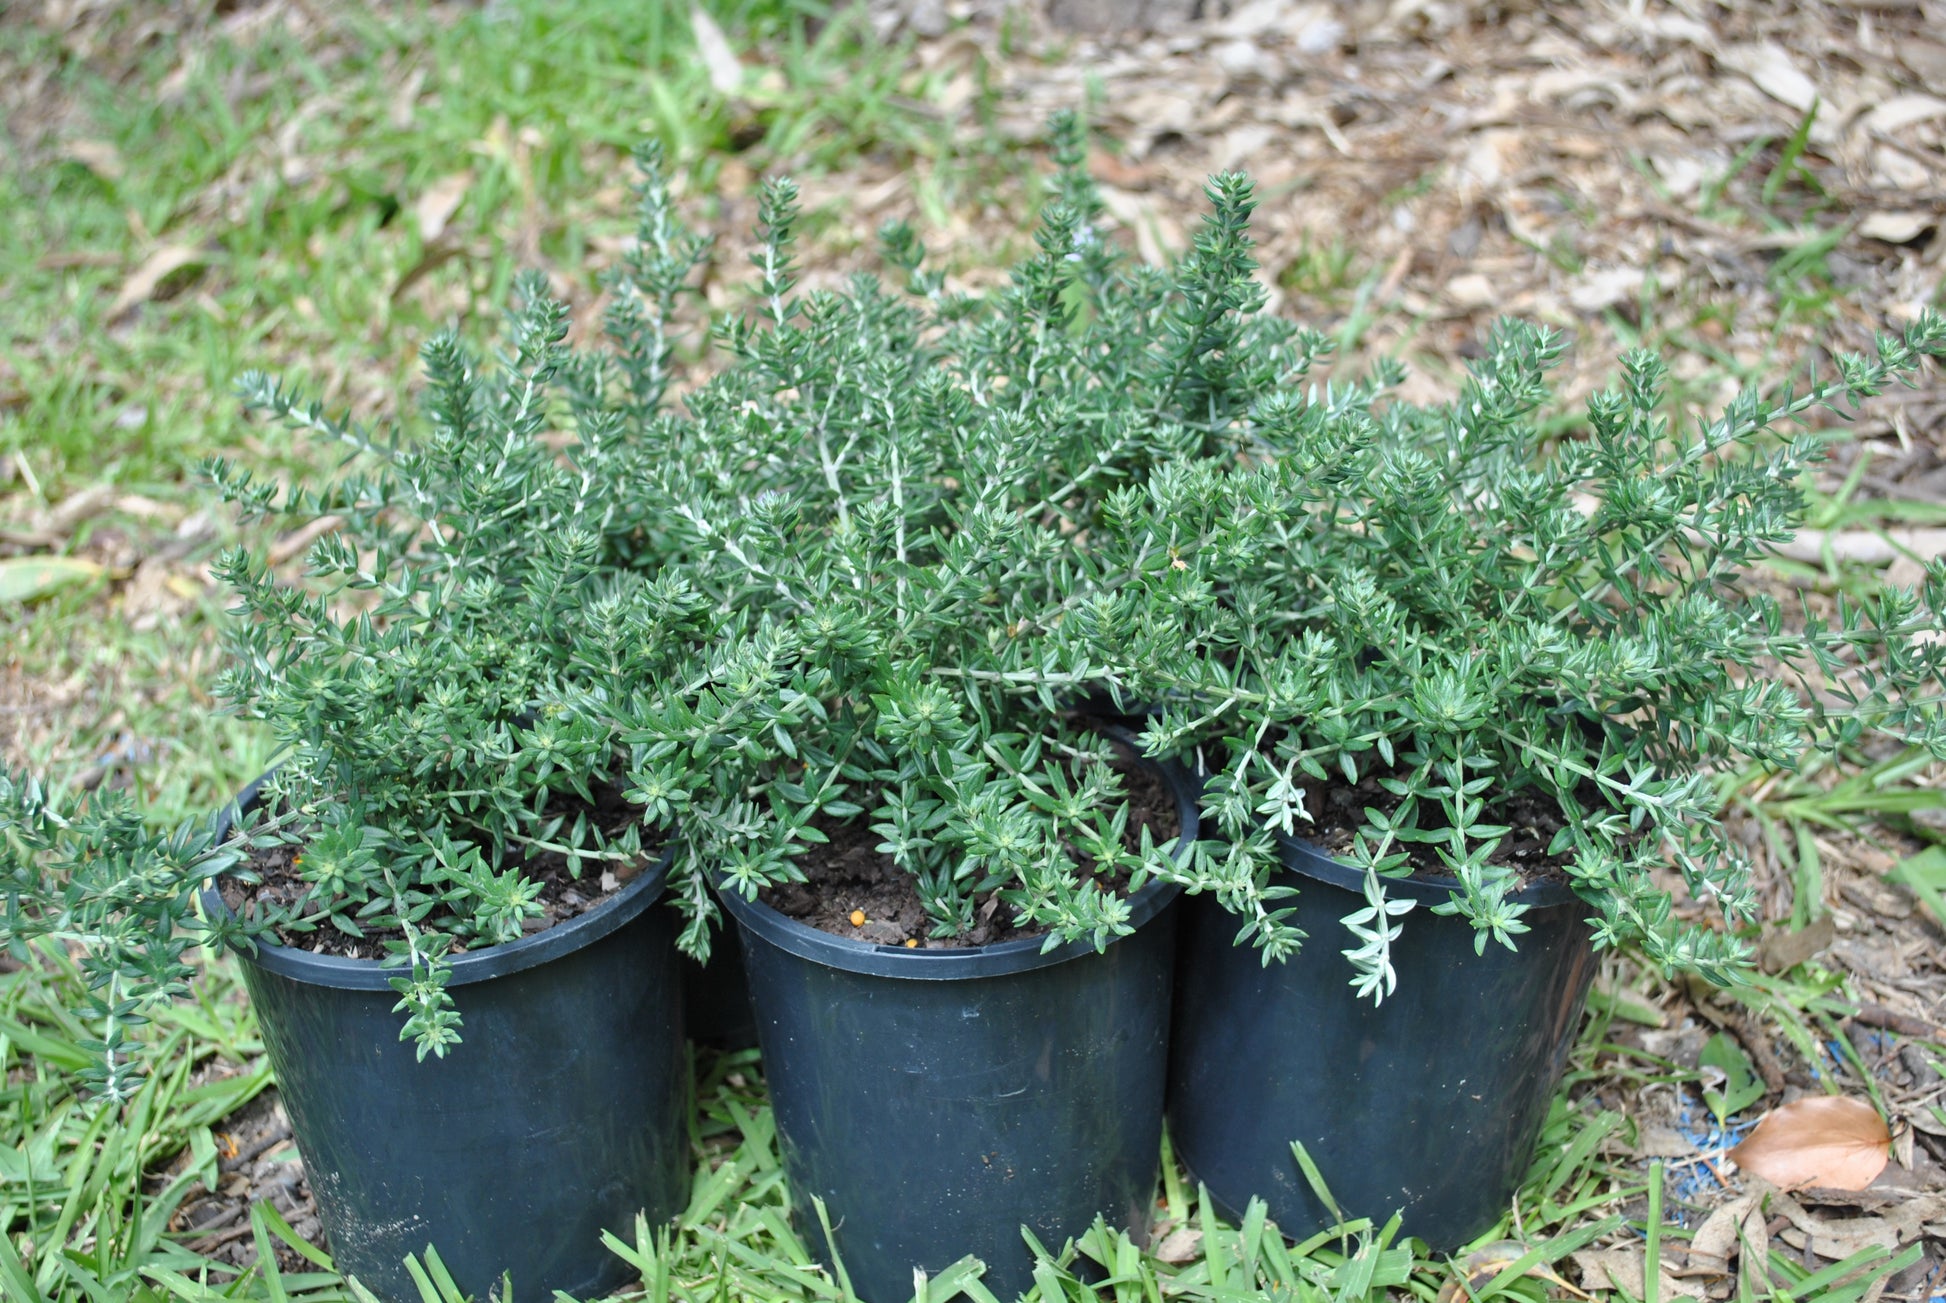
441,685
1467,608
890,490
886,560
963,516
87,872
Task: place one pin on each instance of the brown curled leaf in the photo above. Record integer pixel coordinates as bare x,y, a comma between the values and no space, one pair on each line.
1828,1140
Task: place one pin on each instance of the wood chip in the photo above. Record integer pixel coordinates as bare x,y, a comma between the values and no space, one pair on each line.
144,283
719,60
436,206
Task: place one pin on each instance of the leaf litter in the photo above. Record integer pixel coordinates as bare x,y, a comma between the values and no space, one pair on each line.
1836,1141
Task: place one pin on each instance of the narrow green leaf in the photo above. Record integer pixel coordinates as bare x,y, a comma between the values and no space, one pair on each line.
27,578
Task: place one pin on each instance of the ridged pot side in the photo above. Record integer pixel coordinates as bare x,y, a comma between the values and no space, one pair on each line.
1428,1104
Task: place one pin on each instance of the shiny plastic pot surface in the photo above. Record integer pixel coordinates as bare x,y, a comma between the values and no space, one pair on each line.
1428,1104
938,1101
562,1113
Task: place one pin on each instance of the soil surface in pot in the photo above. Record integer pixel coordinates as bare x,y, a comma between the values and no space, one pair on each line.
1531,819
852,875
563,896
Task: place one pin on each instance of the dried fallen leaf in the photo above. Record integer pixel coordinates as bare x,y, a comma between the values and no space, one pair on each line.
719,60
1829,1140
1925,60
1156,233
1180,1245
83,504
440,201
1626,1270
298,540
1902,111
1487,1263
24,578
1603,289
1255,18
1840,1238
1471,292
1120,173
1773,72
1781,951
1897,227
1862,547
157,268
1722,1233
98,156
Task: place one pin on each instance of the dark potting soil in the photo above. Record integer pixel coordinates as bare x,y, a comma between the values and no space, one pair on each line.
851,874
1531,818
562,897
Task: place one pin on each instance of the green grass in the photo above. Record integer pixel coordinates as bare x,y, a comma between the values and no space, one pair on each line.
1321,269
71,1174
1790,809
82,1227
295,173
149,718
289,174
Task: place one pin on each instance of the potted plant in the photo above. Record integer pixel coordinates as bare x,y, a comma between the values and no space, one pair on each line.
462,858
945,881
448,849
1459,679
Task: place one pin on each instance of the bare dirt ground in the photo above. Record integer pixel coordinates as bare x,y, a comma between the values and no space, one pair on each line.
257,1160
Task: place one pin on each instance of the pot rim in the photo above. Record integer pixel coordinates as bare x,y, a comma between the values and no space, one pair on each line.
1020,955
1310,860
344,974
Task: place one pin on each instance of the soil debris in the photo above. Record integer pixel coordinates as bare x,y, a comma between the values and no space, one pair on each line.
855,890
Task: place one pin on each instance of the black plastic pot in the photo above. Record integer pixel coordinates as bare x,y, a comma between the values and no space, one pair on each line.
1428,1104
939,1100
716,995
562,1113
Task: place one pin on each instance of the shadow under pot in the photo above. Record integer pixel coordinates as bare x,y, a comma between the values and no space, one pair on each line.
562,1113
716,995
937,1101
1428,1104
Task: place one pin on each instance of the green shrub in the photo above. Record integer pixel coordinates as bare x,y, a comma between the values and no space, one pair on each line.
975,514
890,492
86,871
440,686
884,564
1467,608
